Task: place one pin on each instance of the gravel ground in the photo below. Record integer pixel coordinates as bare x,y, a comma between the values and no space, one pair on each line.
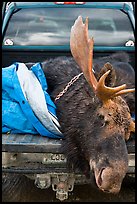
80,193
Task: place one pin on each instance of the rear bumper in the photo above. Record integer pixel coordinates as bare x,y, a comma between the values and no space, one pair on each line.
27,163
34,154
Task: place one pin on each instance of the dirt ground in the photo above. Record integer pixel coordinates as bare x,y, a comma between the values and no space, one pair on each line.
81,193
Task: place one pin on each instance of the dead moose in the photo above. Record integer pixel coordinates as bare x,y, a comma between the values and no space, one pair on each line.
93,108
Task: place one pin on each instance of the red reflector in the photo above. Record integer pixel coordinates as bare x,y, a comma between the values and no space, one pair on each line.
69,2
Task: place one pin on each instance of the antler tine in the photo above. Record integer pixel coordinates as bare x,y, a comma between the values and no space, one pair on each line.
105,93
82,49
132,126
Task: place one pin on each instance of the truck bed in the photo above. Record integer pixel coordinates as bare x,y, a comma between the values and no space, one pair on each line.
40,144
30,143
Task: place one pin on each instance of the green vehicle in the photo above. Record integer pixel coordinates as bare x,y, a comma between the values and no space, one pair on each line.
33,32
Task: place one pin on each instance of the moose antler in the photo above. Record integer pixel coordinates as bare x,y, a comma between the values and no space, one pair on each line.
82,50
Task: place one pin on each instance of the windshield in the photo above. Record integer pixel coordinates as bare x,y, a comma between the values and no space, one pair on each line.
52,26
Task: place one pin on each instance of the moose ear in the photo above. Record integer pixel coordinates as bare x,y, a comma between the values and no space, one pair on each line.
111,78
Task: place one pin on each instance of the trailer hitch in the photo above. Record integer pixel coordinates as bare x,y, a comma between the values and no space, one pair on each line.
62,184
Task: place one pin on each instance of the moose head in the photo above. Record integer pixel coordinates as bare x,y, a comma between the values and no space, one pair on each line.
105,148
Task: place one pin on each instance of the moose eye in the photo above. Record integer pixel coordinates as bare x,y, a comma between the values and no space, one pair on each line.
101,117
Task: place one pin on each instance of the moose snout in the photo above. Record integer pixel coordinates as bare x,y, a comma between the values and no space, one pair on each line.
108,180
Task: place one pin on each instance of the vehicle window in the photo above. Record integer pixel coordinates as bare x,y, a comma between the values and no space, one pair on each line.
51,26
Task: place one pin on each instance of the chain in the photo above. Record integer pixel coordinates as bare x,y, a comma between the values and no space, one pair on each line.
75,78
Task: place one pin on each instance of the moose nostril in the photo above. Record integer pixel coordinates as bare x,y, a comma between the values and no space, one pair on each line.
99,180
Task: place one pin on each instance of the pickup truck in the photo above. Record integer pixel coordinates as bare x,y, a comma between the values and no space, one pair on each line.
33,32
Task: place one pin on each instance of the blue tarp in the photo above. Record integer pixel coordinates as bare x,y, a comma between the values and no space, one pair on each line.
17,114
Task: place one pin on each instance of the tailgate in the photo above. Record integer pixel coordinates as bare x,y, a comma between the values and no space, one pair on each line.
31,154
